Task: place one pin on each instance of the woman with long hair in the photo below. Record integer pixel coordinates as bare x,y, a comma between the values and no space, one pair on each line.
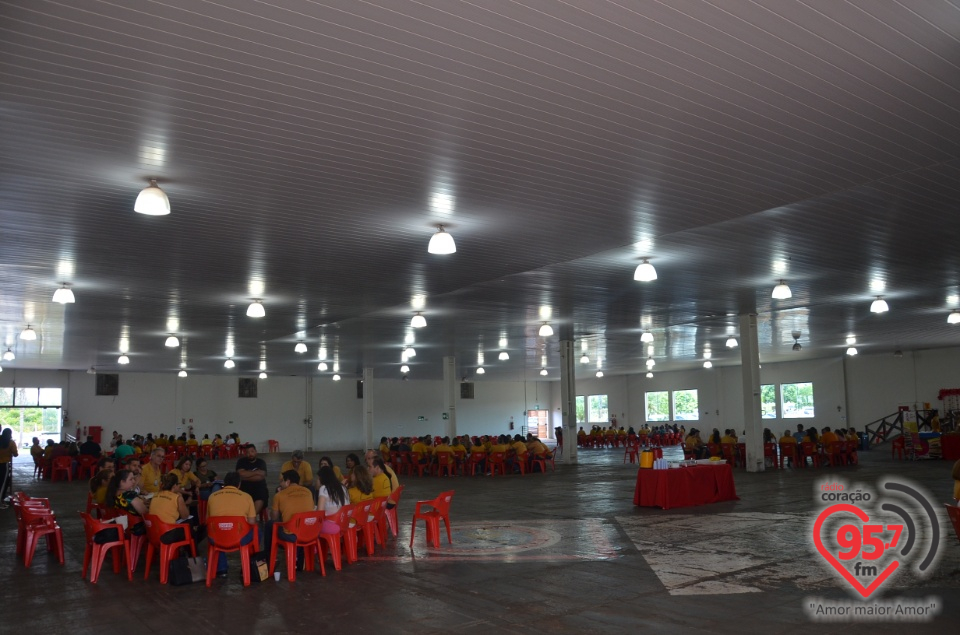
325,460
332,496
121,495
360,487
8,450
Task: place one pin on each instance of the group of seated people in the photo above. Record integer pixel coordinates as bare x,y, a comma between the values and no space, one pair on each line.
426,451
613,437
823,442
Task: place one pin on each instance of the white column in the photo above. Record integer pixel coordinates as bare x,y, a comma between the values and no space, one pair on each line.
568,401
450,394
368,392
750,368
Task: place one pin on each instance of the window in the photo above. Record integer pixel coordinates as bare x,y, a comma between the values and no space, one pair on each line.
768,401
581,409
797,400
597,409
658,406
685,405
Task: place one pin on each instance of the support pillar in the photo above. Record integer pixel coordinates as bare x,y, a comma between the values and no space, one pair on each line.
568,401
450,396
750,368
368,391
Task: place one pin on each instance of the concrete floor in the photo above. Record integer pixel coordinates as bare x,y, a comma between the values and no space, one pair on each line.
565,552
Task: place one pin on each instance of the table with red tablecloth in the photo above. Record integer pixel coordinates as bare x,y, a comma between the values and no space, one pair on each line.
685,486
950,446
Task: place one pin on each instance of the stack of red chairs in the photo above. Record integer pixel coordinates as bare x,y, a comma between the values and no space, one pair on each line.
35,520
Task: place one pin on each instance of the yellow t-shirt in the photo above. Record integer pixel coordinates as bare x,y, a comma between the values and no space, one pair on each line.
165,505
193,442
293,500
788,439
420,448
305,472
188,480
394,481
728,439
100,495
381,486
443,448
828,438
150,479
477,448
520,448
230,501
357,496
206,442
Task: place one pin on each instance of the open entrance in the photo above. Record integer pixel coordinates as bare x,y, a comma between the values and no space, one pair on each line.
31,412
537,423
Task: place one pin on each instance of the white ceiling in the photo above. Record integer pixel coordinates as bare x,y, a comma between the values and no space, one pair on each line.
302,144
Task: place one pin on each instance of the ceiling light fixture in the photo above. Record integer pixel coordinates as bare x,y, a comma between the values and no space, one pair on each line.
480,370
441,243
256,310
152,201
898,353
879,305
418,321
599,374
851,340
647,337
545,330
708,364
645,272
229,363
64,295
9,356
707,353
781,292
92,371
954,317
336,378
504,356
584,359
852,351
543,371
28,334
262,375
404,369
649,375
172,341
732,342
123,360
322,366
300,347
182,373
650,362
409,352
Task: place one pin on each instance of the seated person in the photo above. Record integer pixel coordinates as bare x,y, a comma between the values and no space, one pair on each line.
811,435
828,438
121,495
360,486
98,485
421,452
300,466
189,483
231,501
519,452
788,438
325,461
728,437
253,477
168,505
123,450
206,440
444,447
384,449
207,479
150,473
332,495
382,483
800,433
88,447
351,462
293,498
768,436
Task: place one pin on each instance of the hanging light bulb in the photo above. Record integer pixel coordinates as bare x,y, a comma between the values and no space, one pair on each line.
647,337
322,366
851,340
409,352
262,375
183,364
263,364
732,342
650,362
954,317
649,375
9,356
182,373
152,201
708,364
852,351
404,369
879,305
229,363
28,334
545,330
300,348
707,353
543,371
584,359
645,272
336,367
256,310
441,243
781,292
480,370
504,356
599,373
123,360
172,342
64,295
336,378
418,321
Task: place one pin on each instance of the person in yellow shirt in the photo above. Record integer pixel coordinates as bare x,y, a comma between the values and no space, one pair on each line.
326,461
384,448
98,484
150,473
728,437
487,444
161,442
168,505
518,455
206,440
421,451
192,442
298,465
828,438
230,501
536,447
383,484
189,483
292,499
361,485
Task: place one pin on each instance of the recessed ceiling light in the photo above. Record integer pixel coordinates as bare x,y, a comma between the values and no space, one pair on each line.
650,362
480,370
649,375
708,364
322,366
504,356
599,373
954,317
647,337
182,373
404,369
9,356
543,371
262,375
584,359
229,363
852,351
336,378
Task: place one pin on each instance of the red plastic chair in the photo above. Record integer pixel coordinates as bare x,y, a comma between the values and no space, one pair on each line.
390,513
364,524
954,512
156,529
62,465
169,462
306,527
897,446
88,466
401,463
224,534
497,461
770,452
445,463
273,445
40,522
348,518
331,542
789,451
836,454
809,449
432,518
415,464
476,461
851,453
94,509
21,500
206,452
95,554
729,451
550,458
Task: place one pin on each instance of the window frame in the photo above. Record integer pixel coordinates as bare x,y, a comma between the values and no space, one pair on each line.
798,408
673,404
646,406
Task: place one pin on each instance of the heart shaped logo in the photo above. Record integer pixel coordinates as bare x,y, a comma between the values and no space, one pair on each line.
835,563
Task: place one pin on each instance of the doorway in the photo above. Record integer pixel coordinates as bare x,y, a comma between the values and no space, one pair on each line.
537,421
